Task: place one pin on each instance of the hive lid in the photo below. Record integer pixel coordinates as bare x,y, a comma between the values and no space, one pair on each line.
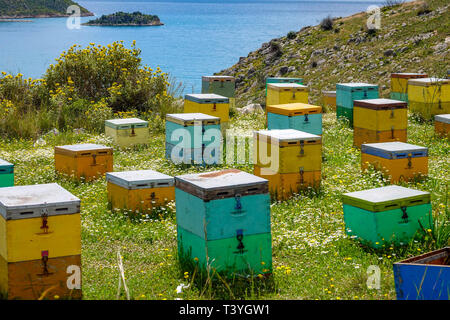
437,258
5,165
140,179
445,118
126,123
206,98
356,86
426,82
329,93
394,150
379,104
218,78
85,149
284,79
186,119
221,184
287,86
294,109
287,136
386,198
408,75
23,202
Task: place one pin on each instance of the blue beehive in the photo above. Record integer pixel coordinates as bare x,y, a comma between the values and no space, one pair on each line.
425,277
224,216
299,116
346,93
193,137
6,174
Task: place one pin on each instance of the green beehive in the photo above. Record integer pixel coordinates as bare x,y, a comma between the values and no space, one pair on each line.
386,215
223,220
221,85
6,174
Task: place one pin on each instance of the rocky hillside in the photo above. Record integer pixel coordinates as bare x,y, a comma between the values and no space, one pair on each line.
37,8
414,37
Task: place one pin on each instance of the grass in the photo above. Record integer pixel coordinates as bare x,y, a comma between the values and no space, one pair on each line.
312,256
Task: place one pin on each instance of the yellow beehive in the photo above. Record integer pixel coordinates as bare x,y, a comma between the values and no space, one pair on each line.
87,161
380,114
429,96
40,237
287,151
210,104
127,132
399,81
442,125
284,93
329,98
140,190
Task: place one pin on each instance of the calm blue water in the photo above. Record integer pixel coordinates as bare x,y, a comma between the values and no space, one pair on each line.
199,37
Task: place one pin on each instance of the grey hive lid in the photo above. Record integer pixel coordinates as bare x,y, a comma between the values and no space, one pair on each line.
4,163
428,81
221,184
206,98
119,122
140,179
286,135
286,85
445,118
356,84
190,116
83,147
381,101
21,202
208,78
386,198
396,146
394,150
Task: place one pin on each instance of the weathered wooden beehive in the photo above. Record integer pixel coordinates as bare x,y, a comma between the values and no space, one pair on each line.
400,161
6,174
329,98
223,219
139,191
127,132
40,242
84,161
442,125
386,215
379,120
298,116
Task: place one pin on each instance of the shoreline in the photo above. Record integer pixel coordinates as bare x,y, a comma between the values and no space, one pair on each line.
123,25
37,16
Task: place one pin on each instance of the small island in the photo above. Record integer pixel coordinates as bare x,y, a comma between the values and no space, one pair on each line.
126,19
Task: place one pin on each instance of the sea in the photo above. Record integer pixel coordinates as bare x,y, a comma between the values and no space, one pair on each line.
199,37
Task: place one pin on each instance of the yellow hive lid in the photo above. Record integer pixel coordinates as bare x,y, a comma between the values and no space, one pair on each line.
427,82
294,109
287,87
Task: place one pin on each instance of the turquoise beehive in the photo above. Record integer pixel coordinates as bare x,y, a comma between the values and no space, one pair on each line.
224,217
346,93
6,174
299,116
189,135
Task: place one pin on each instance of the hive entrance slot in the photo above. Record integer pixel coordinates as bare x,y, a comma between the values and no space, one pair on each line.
61,209
26,213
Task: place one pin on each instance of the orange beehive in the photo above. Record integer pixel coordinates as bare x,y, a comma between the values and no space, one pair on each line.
361,136
84,161
140,190
442,125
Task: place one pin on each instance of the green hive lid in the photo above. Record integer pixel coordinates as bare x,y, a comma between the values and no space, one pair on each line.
222,184
23,202
445,118
206,98
190,118
121,124
394,150
140,179
355,85
287,135
386,198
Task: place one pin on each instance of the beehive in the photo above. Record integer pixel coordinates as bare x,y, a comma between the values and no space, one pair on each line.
139,191
424,277
329,98
127,132
84,161
299,116
346,93
379,120
399,84
282,80
223,218
287,151
386,215
41,228
193,138
401,161
284,93
222,85
6,174
442,125
208,103
429,96
283,185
